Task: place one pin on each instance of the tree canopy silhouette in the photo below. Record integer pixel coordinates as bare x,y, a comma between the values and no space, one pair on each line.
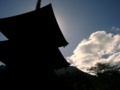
102,67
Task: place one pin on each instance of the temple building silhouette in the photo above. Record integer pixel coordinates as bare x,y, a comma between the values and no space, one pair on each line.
32,51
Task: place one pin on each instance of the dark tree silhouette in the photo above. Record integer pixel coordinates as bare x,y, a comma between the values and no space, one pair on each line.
108,77
102,67
32,52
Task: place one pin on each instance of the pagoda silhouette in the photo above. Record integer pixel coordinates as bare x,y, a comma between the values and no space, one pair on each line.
32,52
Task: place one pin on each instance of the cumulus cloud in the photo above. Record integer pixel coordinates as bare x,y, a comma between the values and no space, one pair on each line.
118,29
114,28
91,50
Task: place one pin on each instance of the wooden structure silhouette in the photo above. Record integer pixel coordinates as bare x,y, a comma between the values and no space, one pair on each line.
32,51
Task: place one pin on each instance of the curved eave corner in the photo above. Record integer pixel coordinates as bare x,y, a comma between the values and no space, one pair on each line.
65,42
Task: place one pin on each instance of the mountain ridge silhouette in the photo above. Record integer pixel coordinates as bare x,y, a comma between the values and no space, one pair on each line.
70,69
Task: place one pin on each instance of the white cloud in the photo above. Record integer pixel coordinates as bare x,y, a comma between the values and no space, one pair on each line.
114,28
118,29
91,50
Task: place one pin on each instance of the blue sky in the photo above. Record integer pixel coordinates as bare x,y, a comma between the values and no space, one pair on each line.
91,27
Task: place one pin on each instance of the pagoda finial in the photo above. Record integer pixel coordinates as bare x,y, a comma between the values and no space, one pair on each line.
38,4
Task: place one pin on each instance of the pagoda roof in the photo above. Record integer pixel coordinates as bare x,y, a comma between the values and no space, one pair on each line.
34,23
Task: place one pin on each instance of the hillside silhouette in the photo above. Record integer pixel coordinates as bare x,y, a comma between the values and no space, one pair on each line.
2,67
70,69
78,80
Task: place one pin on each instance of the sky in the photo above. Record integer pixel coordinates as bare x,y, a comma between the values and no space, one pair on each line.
91,27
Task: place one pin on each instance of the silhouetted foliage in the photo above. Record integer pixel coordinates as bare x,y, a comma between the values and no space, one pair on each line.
101,68
76,80
2,67
109,79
